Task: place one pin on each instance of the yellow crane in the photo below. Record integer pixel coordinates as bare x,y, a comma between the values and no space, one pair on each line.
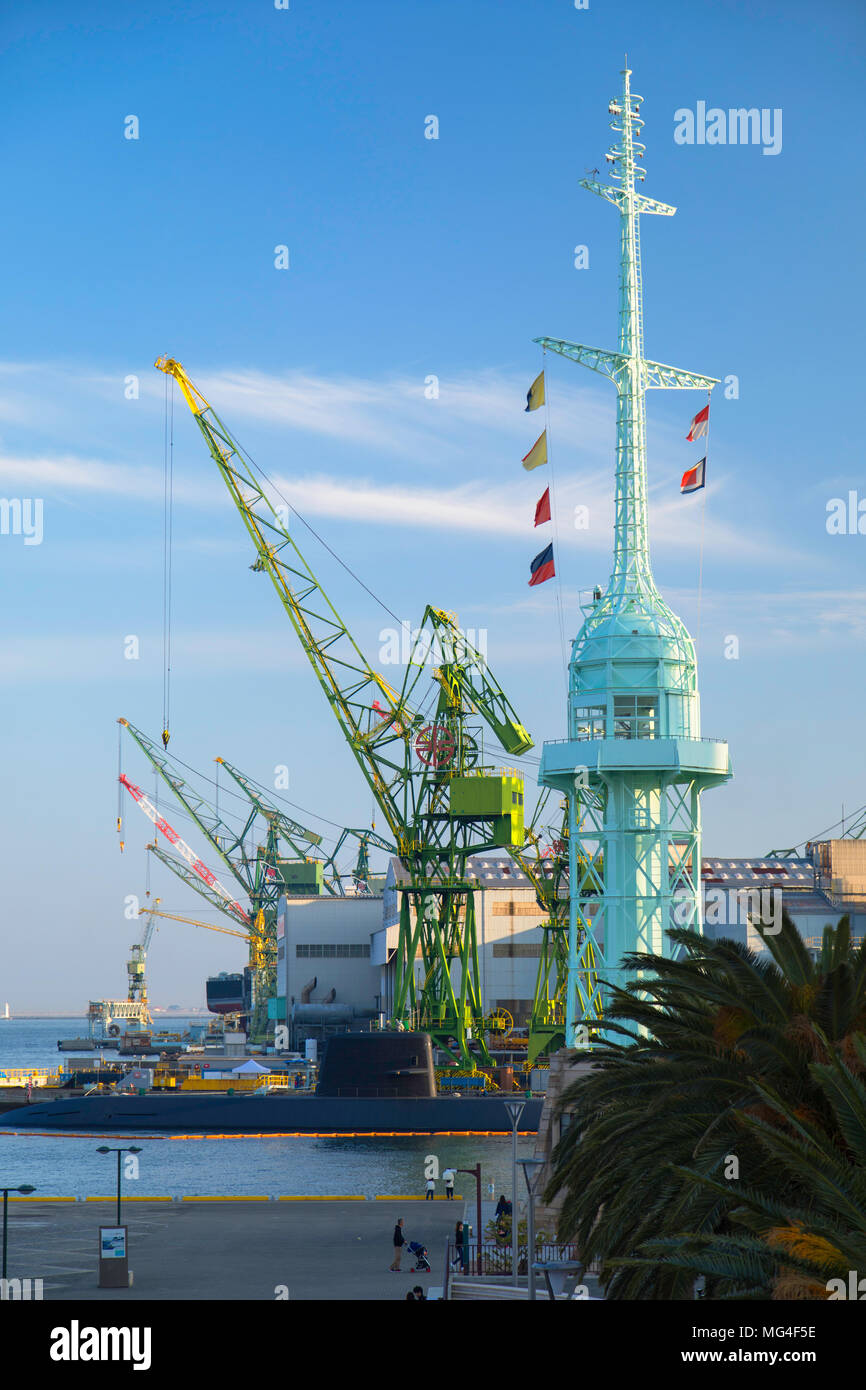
257,946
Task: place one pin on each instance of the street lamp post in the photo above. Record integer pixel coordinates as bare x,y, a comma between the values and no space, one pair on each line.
25,1188
476,1174
515,1109
527,1164
103,1149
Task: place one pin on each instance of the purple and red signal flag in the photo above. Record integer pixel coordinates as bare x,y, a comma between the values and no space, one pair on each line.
541,568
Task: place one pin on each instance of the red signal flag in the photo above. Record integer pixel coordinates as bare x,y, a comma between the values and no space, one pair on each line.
542,508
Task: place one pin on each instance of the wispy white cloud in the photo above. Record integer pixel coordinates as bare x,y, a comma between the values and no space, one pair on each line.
71,659
803,619
70,473
501,510
461,454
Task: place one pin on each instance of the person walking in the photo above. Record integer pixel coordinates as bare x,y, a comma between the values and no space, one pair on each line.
431,1190
399,1242
461,1241
449,1175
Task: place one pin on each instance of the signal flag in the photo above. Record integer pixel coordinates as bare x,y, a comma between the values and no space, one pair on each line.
535,394
699,425
537,454
542,508
541,568
695,478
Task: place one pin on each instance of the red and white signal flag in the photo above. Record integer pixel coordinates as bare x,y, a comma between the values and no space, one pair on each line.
695,478
700,425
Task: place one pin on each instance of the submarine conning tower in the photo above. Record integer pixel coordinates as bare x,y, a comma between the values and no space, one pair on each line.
634,762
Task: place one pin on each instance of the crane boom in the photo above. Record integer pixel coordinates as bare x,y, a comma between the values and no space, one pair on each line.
157,911
198,866
185,874
291,830
365,839
351,686
299,837
216,831
477,685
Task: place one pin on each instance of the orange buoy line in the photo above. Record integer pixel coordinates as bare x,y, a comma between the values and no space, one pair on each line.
296,1134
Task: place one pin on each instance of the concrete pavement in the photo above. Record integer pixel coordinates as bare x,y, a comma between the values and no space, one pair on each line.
234,1250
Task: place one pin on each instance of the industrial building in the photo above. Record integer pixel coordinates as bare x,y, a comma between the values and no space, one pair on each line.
326,978
817,889
336,956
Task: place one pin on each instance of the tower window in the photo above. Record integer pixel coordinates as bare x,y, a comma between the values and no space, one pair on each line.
589,722
635,716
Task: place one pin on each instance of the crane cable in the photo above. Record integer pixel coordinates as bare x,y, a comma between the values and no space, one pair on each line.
120,788
313,532
167,527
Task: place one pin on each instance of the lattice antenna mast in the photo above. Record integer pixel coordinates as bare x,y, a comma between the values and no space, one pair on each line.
631,372
634,764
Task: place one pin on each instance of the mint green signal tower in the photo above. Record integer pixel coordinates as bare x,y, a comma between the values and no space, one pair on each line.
634,764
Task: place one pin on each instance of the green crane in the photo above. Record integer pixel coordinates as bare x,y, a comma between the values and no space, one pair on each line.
265,875
438,802
258,874
310,875
544,860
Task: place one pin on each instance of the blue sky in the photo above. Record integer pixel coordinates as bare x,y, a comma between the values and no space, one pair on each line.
408,258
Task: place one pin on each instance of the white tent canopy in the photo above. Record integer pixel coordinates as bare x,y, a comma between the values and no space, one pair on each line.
250,1068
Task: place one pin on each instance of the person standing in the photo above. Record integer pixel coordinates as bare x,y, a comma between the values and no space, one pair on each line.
448,1175
399,1242
431,1190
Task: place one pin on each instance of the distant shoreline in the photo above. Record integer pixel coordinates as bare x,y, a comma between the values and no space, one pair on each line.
33,1018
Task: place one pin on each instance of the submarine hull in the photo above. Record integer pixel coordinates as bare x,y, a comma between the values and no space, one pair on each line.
276,1114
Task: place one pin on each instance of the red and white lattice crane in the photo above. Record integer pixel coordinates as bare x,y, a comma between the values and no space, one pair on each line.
197,865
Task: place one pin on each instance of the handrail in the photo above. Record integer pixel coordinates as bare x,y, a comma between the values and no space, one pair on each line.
657,737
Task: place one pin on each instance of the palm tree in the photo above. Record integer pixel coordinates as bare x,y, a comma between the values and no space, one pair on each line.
795,1252
720,1055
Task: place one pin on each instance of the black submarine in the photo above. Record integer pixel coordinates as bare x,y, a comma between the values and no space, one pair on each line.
369,1083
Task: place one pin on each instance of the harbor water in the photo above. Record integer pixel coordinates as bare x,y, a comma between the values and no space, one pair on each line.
67,1165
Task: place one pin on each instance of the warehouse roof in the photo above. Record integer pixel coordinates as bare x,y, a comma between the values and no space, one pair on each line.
489,871
792,874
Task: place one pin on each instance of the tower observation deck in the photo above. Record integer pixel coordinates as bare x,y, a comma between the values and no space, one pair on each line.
634,763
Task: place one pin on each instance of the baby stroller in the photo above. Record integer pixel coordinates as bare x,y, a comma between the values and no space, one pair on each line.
419,1254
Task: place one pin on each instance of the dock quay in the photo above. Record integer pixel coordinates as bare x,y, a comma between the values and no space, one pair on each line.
303,1249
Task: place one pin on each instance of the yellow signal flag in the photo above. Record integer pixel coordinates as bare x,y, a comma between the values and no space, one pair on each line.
537,454
535,394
